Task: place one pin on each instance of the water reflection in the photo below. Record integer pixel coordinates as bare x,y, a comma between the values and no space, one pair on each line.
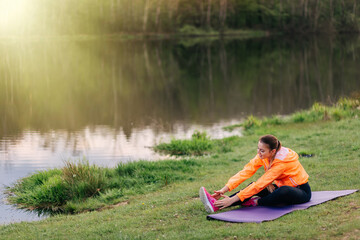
110,100
70,85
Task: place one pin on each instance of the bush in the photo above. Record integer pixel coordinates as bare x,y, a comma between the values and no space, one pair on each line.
251,122
191,30
199,144
348,103
79,186
48,194
83,180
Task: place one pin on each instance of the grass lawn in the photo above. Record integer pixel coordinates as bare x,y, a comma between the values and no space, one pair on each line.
175,211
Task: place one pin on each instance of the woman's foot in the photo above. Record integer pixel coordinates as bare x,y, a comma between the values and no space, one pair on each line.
252,202
207,200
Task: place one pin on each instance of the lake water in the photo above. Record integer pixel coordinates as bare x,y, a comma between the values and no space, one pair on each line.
111,100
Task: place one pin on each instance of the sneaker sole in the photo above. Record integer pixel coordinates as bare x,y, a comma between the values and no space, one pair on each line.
205,200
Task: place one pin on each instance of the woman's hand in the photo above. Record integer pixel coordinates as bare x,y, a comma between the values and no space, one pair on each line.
271,188
226,202
218,194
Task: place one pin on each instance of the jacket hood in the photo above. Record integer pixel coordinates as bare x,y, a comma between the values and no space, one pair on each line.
286,155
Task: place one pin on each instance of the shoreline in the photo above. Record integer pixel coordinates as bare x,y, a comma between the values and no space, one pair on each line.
80,187
241,33
166,212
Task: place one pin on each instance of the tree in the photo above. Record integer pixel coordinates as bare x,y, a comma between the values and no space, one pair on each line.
146,14
208,15
222,15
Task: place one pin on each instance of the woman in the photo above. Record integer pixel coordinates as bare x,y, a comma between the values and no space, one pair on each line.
281,166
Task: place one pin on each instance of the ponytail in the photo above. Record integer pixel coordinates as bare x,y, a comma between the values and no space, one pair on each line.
271,141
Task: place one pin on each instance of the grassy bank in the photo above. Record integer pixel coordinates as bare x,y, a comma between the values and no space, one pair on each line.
172,210
343,109
79,186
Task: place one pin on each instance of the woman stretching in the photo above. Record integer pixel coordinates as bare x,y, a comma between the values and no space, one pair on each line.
281,166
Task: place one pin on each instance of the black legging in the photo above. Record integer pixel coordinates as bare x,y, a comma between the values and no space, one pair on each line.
284,195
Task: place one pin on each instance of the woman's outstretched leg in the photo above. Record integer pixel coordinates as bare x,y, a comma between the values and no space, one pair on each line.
287,195
263,193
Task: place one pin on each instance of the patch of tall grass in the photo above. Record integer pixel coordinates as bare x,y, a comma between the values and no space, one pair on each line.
199,144
83,180
79,186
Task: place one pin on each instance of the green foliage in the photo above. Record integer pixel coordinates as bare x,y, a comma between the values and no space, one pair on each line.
348,103
298,117
50,190
193,31
93,16
84,180
79,186
226,145
199,144
37,179
274,120
251,122
343,109
47,195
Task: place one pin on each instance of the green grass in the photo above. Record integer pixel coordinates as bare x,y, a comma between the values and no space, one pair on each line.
345,108
79,186
159,200
199,144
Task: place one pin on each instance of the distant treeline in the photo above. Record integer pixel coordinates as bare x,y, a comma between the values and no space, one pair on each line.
170,16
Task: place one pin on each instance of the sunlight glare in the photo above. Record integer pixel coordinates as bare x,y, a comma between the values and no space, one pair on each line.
13,14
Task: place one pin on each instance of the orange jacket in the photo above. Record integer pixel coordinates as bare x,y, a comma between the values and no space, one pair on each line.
285,170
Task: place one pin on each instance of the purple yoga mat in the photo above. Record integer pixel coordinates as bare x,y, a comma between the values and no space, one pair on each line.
261,213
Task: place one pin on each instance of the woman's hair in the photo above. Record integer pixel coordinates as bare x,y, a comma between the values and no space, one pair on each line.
271,141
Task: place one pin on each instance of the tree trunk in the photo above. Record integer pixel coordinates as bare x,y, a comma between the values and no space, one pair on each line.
112,11
354,8
202,14
281,23
173,7
316,15
306,9
158,11
223,9
146,14
208,16
302,8
293,14
331,13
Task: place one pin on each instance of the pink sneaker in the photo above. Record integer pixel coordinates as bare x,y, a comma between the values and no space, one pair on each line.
207,200
252,202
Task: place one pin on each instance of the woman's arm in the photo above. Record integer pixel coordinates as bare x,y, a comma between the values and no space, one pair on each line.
248,170
265,180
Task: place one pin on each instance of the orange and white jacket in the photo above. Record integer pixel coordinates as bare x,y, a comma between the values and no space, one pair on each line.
285,170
